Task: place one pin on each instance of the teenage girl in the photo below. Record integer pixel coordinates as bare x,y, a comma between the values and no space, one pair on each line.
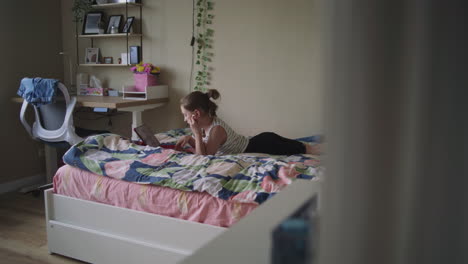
211,135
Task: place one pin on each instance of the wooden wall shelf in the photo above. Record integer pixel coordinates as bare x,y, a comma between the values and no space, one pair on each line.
119,35
105,65
116,5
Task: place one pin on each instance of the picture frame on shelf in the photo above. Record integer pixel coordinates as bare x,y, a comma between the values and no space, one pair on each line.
135,54
92,23
92,56
108,60
113,25
128,25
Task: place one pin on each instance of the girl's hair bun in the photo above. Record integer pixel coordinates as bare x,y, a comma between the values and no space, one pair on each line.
213,93
200,100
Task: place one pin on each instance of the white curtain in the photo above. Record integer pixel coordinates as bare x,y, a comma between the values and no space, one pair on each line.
396,82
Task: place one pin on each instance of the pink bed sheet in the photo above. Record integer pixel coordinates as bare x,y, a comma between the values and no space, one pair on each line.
192,206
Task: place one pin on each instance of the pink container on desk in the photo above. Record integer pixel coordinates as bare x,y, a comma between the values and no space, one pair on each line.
144,80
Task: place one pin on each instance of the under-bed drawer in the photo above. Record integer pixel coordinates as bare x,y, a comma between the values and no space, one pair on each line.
165,232
98,247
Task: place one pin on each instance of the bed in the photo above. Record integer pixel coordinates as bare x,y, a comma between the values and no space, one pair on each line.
85,222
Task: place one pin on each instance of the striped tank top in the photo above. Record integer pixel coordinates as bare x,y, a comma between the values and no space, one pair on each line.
234,144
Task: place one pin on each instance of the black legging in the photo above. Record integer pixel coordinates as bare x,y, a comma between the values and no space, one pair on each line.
271,143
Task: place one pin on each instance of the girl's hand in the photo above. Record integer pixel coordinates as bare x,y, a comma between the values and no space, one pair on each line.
182,142
196,130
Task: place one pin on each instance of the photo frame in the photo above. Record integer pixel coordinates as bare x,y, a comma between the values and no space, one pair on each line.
108,60
128,25
135,54
92,56
92,23
115,21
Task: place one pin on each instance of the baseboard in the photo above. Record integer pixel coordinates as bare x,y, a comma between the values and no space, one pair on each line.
23,182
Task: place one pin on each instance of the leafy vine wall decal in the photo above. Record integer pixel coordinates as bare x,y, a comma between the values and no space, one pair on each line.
204,41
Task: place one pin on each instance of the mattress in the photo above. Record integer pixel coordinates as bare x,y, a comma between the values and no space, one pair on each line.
192,206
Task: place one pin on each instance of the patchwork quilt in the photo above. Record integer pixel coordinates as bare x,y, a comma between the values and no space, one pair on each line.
246,178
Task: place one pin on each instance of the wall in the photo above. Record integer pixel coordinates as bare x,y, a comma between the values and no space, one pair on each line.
31,44
263,65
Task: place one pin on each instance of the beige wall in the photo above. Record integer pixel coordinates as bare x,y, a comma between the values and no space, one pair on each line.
263,64
30,45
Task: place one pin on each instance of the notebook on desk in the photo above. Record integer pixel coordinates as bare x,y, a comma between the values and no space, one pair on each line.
147,136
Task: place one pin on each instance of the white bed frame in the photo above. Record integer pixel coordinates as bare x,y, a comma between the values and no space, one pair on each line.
100,233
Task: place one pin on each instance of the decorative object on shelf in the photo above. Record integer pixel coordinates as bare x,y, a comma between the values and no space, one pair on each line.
82,81
128,25
120,60
146,68
145,74
92,56
93,23
80,8
114,24
124,57
204,41
135,54
108,60
114,30
112,92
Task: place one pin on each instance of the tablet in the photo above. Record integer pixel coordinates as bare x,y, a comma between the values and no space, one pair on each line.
147,135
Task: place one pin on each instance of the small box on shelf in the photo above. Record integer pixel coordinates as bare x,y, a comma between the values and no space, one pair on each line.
113,92
151,92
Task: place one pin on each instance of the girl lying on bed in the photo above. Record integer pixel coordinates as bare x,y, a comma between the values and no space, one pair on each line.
211,135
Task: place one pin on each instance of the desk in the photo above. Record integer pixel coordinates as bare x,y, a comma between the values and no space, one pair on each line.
126,105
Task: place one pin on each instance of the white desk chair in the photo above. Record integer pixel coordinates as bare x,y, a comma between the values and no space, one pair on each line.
53,122
53,125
